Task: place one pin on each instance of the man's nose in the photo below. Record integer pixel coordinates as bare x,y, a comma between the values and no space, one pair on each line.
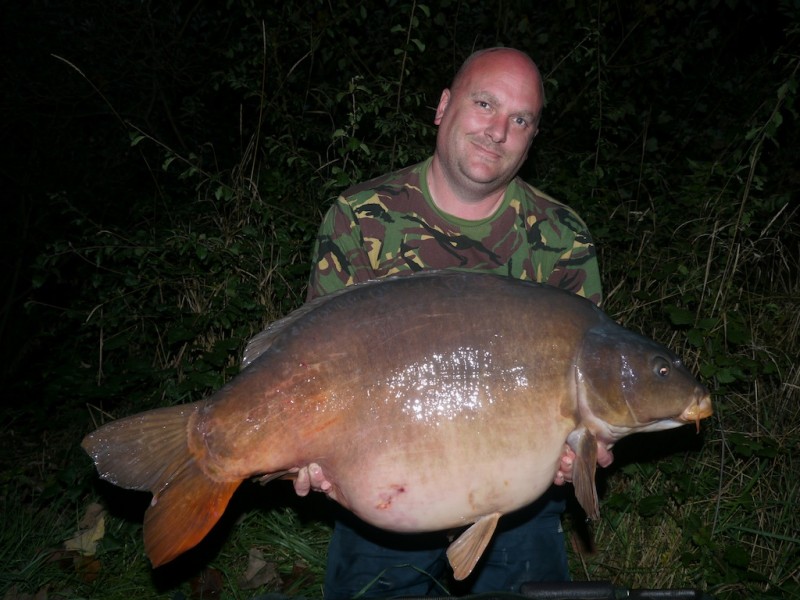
497,129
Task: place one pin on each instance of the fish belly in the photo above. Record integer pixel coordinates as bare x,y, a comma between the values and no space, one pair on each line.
428,487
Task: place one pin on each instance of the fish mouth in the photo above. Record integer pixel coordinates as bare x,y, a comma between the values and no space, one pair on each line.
699,410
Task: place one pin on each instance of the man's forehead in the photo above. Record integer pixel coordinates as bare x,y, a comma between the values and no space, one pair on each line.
488,73
503,62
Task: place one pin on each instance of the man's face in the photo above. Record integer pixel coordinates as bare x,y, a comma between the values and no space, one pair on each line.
488,120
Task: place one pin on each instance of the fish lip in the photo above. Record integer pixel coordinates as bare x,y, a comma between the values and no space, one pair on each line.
700,409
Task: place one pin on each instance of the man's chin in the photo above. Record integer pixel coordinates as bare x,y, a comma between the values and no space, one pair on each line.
483,172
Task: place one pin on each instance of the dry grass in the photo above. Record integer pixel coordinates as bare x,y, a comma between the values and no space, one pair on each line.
736,533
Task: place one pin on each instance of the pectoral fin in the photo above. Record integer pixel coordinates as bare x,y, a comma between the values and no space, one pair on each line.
584,444
465,552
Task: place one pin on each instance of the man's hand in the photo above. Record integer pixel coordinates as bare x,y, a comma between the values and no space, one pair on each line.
311,478
564,473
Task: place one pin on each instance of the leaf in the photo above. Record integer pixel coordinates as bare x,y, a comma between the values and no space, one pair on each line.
87,567
259,572
207,585
91,530
726,375
618,501
652,505
180,333
737,556
680,316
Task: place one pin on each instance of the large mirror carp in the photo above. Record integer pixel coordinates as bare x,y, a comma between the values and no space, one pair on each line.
431,402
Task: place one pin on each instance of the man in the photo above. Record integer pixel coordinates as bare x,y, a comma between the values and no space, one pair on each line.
463,208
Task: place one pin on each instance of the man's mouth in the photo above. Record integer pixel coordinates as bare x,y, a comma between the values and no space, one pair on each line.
487,150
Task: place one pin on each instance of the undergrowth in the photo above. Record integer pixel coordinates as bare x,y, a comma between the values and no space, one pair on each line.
680,162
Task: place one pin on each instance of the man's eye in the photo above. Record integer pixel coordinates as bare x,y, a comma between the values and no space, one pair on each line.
483,104
522,122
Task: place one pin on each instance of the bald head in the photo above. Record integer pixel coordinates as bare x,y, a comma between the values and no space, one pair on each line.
503,59
487,121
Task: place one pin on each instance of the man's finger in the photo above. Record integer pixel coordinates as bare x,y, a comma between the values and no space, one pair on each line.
302,484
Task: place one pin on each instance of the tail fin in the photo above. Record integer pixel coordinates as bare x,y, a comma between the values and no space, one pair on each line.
150,451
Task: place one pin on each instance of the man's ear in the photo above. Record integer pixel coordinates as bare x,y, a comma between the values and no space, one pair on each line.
444,100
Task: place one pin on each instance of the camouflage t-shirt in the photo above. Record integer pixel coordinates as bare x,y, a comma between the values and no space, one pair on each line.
390,226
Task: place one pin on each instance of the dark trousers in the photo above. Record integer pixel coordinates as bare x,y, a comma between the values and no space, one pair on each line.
366,562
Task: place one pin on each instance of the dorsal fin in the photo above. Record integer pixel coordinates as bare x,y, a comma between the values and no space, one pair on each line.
261,342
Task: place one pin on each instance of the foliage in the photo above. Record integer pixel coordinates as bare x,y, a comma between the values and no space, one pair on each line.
169,185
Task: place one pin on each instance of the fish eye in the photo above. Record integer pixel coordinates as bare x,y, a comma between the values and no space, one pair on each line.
661,367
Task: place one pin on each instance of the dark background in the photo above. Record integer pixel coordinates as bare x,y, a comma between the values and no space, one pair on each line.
165,166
